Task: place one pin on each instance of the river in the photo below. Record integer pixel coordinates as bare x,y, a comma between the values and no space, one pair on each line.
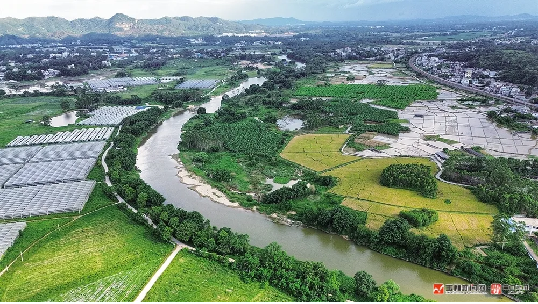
159,169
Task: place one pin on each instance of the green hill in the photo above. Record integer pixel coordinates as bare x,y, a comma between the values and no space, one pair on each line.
121,25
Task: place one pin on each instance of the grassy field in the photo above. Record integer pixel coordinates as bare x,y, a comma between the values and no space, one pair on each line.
104,256
15,111
317,151
194,279
381,65
189,68
462,229
439,138
34,231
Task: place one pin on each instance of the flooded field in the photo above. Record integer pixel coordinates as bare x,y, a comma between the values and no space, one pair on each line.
452,122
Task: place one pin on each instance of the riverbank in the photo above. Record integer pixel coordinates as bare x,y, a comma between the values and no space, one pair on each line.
197,184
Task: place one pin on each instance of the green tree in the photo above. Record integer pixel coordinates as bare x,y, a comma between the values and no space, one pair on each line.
365,285
505,230
386,291
66,105
46,120
394,232
141,199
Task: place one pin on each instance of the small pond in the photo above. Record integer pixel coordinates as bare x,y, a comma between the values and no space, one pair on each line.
64,119
290,123
277,186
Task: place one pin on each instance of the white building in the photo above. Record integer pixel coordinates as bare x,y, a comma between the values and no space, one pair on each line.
531,224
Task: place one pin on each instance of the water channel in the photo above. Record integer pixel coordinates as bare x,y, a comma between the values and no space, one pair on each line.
159,169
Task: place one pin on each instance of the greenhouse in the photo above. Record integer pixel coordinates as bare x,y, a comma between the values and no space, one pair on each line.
44,199
110,116
69,151
51,172
17,155
8,234
197,84
6,171
91,134
115,83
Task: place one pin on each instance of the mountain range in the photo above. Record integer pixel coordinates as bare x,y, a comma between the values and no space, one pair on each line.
120,25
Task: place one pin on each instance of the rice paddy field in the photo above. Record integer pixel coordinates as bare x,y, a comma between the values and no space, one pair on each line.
465,220
361,180
194,279
317,151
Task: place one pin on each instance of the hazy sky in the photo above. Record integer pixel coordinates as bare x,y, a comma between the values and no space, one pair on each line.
249,9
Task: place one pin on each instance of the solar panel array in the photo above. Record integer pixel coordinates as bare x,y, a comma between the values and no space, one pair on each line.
197,84
90,134
6,171
110,115
120,82
69,151
17,155
8,234
44,199
51,172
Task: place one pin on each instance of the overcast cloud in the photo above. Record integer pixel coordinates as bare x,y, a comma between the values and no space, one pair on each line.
316,10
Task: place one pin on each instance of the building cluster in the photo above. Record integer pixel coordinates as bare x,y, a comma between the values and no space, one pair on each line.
381,53
457,72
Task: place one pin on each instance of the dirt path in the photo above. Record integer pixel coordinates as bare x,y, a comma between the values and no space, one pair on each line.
531,252
159,272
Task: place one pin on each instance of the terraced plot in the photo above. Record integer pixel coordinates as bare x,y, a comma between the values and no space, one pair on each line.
317,151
